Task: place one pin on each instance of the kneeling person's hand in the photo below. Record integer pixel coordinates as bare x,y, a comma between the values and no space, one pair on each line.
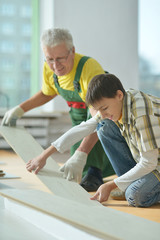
73,168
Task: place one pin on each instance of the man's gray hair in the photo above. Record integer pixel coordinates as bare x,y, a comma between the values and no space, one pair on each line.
55,36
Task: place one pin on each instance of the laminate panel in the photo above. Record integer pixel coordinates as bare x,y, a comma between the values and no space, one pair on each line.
27,148
71,203
101,222
13,227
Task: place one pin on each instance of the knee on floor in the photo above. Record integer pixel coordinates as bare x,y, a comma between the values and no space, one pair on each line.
136,199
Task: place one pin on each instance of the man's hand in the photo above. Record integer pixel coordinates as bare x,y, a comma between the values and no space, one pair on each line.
12,115
73,168
103,191
36,164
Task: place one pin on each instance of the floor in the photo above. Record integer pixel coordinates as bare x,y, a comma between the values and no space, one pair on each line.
11,163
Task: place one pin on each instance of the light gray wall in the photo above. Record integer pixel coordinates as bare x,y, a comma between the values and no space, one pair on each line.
106,30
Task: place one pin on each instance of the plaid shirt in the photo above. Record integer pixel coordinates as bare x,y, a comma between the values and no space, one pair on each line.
140,123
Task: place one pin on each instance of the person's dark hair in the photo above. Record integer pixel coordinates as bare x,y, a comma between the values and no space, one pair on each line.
103,86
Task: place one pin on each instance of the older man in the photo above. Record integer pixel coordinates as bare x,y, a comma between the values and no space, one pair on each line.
68,74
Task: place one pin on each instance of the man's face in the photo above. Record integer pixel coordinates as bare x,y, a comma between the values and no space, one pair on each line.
59,58
110,108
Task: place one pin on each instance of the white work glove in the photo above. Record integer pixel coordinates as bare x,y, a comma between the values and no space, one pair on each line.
73,168
12,115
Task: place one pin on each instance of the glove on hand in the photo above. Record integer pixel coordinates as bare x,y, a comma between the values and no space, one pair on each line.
12,115
73,168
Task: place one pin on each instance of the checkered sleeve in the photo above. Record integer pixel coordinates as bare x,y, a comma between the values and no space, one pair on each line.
148,128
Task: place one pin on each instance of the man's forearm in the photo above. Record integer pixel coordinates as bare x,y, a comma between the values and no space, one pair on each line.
88,143
37,100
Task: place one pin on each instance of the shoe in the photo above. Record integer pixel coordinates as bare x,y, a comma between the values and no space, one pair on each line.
91,183
117,194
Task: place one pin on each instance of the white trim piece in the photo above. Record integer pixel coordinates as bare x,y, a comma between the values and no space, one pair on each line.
49,224
13,227
98,221
27,148
68,202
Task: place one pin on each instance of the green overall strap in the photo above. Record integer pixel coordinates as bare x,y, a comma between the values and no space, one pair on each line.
78,73
56,80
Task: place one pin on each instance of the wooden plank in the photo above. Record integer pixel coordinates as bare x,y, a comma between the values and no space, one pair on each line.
69,202
15,165
101,222
52,223
23,143
27,148
12,227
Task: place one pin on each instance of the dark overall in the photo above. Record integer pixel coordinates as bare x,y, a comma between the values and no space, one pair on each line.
78,113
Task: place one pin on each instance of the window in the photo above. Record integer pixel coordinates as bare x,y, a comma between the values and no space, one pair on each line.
149,50
7,28
7,9
19,44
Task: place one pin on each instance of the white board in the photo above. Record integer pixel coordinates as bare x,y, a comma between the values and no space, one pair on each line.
69,202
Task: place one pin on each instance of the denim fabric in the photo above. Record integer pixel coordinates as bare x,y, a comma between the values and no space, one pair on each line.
115,147
143,192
